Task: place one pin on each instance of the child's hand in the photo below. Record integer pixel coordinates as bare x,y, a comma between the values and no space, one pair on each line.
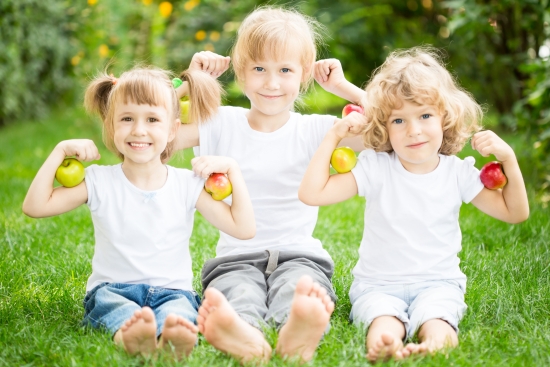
487,143
350,126
210,63
329,74
206,165
83,149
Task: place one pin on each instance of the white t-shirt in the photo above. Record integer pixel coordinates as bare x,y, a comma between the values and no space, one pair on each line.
411,231
273,165
142,236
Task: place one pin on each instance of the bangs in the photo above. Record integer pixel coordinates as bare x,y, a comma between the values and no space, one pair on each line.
277,41
142,90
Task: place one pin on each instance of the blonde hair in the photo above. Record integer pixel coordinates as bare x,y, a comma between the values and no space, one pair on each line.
418,75
275,32
152,86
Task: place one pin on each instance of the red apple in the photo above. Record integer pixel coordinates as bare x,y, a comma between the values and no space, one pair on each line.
218,185
350,108
70,173
343,159
492,175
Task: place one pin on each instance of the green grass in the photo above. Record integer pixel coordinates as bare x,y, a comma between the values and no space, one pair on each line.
44,265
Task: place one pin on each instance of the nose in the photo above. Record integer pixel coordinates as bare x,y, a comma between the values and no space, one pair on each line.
138,129
414,128
271,82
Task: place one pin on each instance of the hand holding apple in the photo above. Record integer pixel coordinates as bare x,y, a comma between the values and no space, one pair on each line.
219,186
492,176
343,159
70,173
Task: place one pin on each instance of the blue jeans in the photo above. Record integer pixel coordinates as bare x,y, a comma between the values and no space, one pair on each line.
109,305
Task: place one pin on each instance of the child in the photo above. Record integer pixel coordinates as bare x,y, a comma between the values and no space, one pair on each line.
282,277
407,279
141,283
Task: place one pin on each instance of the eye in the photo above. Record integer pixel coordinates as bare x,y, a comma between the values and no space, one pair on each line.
152,119
285,70
126,119
398,121
258,68
426,116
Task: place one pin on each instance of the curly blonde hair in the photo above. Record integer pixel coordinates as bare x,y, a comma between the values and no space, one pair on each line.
418,75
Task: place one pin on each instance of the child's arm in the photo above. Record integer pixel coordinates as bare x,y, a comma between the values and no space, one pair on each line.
330,75
236,220
318,187
212,64
509,204
42,199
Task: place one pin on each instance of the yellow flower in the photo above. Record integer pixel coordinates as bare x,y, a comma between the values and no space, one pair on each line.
92,2
189,5
209,47
200,35
165,9
75,60
214,36
146,2
103,50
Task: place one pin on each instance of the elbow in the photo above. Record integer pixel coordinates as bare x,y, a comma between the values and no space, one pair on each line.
29,211
520,217
247,234
306,198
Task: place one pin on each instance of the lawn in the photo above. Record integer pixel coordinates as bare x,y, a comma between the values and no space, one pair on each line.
44,265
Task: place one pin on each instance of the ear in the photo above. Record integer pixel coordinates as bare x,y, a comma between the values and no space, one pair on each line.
306,73
174,130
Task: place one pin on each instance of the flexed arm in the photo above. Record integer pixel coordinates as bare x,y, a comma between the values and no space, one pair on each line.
510,203
236,220
318,187
42,199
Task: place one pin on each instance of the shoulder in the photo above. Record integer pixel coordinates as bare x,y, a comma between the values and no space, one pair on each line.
452,162
370,155
96,171
225,112
313,118
184,175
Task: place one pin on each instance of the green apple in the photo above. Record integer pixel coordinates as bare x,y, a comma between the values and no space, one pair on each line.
343,159
184,106
70,173
218,185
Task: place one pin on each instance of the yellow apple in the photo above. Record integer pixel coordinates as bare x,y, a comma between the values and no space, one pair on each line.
184,106
343,159
218,185
70,173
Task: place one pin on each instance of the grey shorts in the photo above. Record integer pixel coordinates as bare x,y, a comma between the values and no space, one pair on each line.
413,304
260,285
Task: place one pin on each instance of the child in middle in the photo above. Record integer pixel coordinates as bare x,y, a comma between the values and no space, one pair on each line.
282,277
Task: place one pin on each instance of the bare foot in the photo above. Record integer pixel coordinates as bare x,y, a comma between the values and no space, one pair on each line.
388,346
308,319
138,334
226,331
179,335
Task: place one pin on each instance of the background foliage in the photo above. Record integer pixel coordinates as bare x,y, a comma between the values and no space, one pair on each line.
498,49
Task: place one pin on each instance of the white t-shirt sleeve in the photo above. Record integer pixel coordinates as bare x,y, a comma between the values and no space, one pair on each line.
317,127
367,172
192,187
93,178
469,183
211,131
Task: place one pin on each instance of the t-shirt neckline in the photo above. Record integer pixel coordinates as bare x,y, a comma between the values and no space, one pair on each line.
133,187
259,134
401,169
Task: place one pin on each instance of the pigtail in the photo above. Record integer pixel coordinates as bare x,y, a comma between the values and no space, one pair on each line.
97,94
205,94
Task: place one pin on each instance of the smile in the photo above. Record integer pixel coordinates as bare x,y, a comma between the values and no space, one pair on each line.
269,97
417,145
139,145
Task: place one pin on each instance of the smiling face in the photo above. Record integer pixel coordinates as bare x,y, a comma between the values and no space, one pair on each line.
416,134
142,132
272,86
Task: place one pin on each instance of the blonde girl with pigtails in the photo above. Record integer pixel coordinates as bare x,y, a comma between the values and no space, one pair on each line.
140,290
282,277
